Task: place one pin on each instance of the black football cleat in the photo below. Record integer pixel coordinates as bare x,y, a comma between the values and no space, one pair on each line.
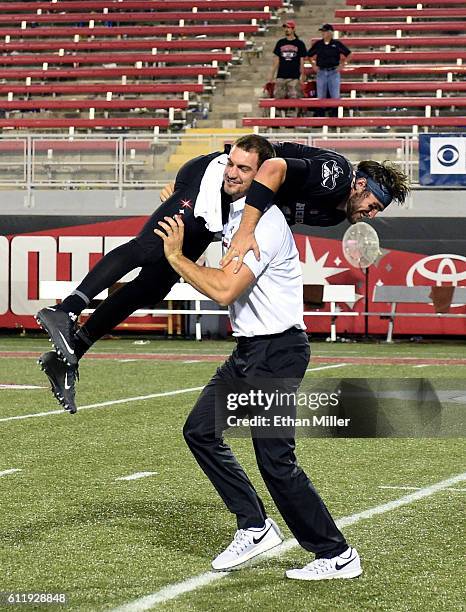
62,377
61,328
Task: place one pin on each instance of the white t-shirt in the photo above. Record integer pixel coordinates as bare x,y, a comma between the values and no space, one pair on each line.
274,302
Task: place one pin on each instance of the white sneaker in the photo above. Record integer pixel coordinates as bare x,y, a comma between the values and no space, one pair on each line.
346,565
248,543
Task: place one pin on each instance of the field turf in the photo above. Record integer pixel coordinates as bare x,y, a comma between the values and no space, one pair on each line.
67,525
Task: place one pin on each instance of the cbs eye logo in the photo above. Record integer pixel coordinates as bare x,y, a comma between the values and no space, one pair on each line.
448,155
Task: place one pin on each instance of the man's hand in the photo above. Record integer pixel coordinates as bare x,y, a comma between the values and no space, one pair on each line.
167,191
172,237
242,242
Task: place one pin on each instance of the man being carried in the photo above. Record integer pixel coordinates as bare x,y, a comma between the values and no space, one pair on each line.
326,194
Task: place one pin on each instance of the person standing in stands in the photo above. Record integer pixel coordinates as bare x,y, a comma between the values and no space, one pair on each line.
328,56
288,64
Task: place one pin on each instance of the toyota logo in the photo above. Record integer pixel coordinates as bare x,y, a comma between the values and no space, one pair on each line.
444,269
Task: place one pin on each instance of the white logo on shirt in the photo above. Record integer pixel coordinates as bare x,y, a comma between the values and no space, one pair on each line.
330,172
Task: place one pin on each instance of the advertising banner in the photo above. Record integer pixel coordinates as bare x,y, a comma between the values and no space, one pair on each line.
442,159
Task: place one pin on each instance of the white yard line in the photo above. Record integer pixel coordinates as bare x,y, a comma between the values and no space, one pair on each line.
21,387
198,582
125,400
10,471
403,488
136,476
327,367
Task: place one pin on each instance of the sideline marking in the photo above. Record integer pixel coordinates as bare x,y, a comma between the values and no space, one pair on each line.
327,367
136,476
10,471
125,400
352,359
201,580
403,488
21,387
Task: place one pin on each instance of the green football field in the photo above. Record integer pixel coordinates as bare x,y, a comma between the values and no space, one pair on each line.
69,525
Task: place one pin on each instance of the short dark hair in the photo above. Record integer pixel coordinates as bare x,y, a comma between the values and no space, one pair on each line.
388,175
259,144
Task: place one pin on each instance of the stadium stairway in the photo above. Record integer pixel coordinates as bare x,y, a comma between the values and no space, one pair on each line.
239,96
200,141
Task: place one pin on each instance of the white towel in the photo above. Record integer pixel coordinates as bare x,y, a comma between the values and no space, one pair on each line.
209,200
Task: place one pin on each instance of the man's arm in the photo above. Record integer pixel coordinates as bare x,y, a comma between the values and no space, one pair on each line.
222,286
273,74
269,178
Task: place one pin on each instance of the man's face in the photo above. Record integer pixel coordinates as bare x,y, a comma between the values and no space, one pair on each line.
288,31
362,204
241,168
327,36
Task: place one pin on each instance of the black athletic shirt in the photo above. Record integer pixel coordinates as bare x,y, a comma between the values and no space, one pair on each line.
317,180
328,54
289,53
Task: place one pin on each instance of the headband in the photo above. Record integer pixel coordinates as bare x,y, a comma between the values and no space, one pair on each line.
380,191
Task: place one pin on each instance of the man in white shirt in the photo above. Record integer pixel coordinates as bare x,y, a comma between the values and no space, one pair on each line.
266,311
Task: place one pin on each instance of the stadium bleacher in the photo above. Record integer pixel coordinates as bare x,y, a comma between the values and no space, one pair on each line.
385,61
59,57
99,57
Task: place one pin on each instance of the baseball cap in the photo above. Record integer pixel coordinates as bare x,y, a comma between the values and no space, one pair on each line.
327,27
289,24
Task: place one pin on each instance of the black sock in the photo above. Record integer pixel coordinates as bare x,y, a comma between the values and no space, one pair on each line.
75,303
82,343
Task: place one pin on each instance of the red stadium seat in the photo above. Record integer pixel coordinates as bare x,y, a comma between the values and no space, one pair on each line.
96,104
158,17
402,3
400,86
115,58
133,31
416,13
161,5
406,41
351,103
350,122
408,56
107,73
120,122
403,26
95,88
122,45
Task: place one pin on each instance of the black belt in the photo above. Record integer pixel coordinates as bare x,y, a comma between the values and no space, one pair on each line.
287,332
332,68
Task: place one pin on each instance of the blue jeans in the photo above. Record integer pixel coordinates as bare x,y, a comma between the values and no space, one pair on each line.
328,83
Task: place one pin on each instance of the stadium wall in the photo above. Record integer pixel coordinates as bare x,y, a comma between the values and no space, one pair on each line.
416,250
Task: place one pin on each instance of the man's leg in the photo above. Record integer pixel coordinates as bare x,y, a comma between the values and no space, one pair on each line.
146,248
321,90
296,498
150,287
293,493
256,533
334,89
216,458
293,93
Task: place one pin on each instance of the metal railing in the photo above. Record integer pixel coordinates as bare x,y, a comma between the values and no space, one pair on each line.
144,161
